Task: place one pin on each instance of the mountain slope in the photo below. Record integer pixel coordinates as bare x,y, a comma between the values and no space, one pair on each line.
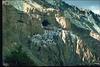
51,32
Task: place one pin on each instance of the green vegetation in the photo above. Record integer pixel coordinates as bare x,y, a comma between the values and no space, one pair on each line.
19,57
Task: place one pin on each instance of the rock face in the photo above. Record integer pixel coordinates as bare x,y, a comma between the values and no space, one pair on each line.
51,33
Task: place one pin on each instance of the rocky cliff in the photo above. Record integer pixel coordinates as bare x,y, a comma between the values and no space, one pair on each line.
51,33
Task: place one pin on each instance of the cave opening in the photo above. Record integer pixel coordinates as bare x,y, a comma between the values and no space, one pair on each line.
45,23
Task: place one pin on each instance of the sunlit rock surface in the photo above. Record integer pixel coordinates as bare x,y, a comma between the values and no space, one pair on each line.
51,33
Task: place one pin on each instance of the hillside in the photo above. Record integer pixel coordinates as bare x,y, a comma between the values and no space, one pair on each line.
51,33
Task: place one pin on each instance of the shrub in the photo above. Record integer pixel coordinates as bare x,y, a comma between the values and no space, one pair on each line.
19,58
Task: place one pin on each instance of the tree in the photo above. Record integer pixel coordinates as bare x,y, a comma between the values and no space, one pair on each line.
19,58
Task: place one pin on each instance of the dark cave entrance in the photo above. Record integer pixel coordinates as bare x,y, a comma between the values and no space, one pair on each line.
45,23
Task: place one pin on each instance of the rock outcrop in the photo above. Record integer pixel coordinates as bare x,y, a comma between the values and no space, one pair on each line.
50,34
